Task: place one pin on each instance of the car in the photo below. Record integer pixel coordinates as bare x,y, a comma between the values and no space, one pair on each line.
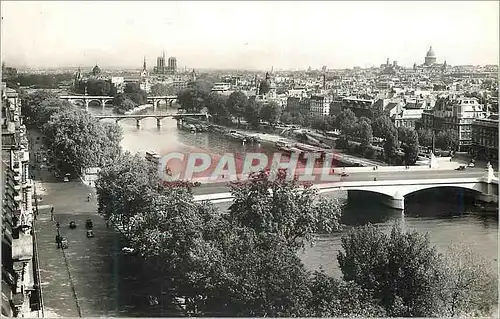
344,174
471,164
460,168
66,179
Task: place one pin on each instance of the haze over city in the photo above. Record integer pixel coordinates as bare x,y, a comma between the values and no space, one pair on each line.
252,35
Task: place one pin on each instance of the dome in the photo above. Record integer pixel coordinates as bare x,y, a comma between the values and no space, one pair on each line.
430,53
96,70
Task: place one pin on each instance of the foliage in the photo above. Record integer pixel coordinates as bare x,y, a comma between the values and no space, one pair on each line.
364,132
126,105
282,207
332,297
346,121
270,112
33,109
447,140
192,99
98,87
410,144
216,106
383,127
390,147
160,89
468,286
401,270
39,81
259,276
425,137
125,187
319,123
286,118
252,113
77,140
237,103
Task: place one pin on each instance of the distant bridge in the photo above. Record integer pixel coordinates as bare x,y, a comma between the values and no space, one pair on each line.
103,100
158,117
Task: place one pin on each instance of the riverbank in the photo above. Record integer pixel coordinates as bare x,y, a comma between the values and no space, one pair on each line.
270,139
92,277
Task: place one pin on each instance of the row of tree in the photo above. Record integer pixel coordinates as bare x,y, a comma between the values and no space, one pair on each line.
243,261
75,140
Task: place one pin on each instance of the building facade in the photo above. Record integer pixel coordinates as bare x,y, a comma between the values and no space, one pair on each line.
455,114
20,292
485,138
320,105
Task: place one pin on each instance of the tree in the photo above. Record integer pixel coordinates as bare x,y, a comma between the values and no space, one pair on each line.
160,89
31,103
409,140
383,126
425,137
236,104
401,270
132,87
468,285
139,98
319,123
332,297
98,87
252,113
346,121
192,99
283,208
259,276
286,118
126,105
124,187
217,107
47,108
447,140
76,140
365,134
270,112
390,146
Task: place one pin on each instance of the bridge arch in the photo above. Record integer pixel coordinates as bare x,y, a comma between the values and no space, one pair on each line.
474,189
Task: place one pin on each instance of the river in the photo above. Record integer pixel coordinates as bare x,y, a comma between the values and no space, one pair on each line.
446,222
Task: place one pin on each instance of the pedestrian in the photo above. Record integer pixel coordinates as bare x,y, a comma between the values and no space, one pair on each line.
52,213
88,197
107,223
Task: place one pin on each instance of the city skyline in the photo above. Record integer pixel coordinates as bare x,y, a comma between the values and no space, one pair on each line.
248,35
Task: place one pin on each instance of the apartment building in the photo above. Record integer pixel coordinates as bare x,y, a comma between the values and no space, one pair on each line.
19,285
320,105
485,137
370,108
456,114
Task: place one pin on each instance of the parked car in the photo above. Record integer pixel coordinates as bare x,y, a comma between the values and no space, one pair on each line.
344,174
471,164
460,168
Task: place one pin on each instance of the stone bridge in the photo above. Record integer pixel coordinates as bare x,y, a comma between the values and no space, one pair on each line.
394,190
103,100
158,117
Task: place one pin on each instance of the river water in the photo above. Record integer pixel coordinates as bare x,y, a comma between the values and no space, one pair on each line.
446,221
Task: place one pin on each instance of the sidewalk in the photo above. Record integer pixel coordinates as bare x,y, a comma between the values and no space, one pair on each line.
93,277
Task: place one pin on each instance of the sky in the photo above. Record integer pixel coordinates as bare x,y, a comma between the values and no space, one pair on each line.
248,35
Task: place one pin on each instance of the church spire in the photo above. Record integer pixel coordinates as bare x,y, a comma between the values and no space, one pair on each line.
144,65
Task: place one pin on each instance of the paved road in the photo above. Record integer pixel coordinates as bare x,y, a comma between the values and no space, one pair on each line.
222,187
93,278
